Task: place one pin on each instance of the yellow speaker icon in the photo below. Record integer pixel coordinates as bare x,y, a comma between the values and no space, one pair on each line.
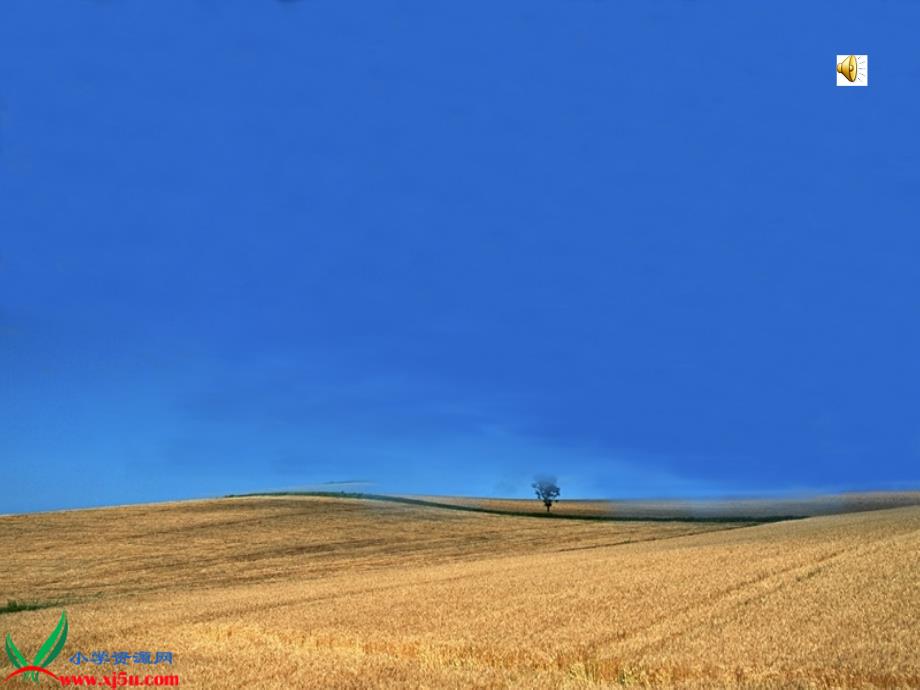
847,68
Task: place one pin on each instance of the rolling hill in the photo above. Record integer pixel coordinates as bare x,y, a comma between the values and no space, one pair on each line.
328,592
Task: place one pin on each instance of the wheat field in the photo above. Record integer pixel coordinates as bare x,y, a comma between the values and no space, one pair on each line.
716,509
307,592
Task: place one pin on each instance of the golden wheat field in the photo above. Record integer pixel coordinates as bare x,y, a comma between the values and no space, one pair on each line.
758,508
306,592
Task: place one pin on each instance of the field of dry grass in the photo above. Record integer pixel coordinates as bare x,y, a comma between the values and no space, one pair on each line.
717,509
327,593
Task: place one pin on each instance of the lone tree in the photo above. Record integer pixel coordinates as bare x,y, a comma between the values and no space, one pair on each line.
547,490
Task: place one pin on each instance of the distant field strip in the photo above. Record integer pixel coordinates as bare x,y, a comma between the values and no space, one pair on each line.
571,510
713,510
331,592
728,510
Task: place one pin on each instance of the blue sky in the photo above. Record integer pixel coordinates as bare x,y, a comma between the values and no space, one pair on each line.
441,247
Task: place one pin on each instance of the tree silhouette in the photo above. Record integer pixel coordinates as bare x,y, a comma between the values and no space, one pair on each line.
547,490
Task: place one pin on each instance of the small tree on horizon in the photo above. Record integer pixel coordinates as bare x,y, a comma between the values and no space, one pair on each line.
547,490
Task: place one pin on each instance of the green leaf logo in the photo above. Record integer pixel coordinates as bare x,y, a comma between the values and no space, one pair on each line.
46,654
15,656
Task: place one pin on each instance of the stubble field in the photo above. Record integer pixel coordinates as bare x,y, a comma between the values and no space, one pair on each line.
303,592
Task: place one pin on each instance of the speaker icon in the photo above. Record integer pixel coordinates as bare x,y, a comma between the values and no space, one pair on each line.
848,68
852,70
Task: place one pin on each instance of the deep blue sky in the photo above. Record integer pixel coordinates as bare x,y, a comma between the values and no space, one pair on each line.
441,246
